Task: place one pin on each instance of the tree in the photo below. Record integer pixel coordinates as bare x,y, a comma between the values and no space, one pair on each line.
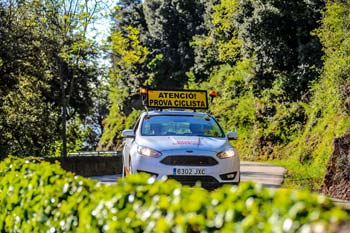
220,44
73,54
171,26
278,34
27,119
52,63
129,56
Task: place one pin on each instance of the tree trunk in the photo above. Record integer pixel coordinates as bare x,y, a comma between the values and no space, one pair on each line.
64,108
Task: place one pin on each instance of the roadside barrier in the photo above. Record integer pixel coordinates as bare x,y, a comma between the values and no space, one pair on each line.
91,163
95,153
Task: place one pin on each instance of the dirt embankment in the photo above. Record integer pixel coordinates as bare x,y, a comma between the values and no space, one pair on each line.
336,182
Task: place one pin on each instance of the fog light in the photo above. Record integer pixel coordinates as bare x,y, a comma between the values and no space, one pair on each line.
228,176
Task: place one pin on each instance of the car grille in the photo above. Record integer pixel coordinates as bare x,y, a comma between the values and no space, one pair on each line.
185,160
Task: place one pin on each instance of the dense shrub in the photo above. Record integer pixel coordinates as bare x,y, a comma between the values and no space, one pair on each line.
37,196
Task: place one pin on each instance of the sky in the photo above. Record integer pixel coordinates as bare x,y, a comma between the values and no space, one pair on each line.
100,29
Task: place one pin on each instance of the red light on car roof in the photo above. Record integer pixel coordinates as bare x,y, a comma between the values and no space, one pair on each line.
213,93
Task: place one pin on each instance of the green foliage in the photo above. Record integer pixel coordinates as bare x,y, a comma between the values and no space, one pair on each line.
271,61
129,63
50,65
77,137
276,34
27,120
164,19
274,30
129,59
226,31
129,56
328,110
221,44
128,50
36,196
148,50
114,125
263,122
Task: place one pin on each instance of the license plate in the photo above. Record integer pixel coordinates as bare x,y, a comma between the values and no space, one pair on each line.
189,171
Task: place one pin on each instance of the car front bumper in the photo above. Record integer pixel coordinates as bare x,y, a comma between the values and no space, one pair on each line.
217,171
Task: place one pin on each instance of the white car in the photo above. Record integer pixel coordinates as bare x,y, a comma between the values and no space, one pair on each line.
185,146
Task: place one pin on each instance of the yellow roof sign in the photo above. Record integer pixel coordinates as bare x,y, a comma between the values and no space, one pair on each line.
177,99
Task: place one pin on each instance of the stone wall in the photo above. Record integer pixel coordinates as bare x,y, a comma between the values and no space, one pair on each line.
336,182
90,165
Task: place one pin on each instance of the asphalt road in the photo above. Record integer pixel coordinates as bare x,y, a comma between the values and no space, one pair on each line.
266,174
269,175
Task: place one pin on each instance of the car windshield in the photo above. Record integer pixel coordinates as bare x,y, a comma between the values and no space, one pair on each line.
179,125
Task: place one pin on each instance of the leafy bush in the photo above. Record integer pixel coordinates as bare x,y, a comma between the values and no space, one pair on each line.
36,196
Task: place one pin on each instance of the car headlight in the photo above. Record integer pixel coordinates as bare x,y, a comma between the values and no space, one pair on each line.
227,154
148,151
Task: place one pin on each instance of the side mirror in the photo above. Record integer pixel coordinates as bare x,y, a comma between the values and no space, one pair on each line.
128,133
232,136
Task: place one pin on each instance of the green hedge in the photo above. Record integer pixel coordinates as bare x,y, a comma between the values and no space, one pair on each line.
36,196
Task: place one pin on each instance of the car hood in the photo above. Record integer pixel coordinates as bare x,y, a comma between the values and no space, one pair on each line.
163,143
